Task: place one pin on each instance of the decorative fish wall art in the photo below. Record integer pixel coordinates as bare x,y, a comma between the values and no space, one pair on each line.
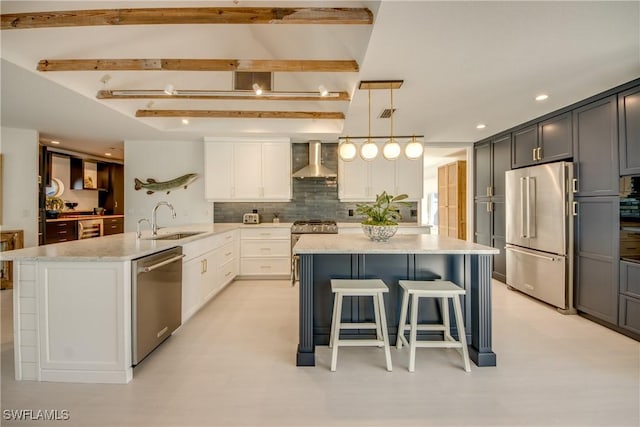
152,185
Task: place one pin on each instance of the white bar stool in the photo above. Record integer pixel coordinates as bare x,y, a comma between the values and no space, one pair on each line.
431,289
374,288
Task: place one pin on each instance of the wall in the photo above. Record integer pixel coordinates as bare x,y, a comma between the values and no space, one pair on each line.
19,148
165,160
311,198
61,169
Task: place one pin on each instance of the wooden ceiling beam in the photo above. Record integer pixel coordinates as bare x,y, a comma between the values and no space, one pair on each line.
193,94
149,64
193,15
241,114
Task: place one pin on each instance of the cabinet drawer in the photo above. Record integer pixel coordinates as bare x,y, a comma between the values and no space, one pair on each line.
629,317
227,272
265,248
226,253
265,266
113,226
60,231
201,246
265,233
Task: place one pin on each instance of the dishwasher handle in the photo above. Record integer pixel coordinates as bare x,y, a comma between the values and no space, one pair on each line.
161,264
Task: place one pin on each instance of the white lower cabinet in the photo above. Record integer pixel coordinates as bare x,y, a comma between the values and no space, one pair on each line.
209,265
265,251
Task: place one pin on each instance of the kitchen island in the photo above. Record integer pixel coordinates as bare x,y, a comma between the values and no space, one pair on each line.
410,257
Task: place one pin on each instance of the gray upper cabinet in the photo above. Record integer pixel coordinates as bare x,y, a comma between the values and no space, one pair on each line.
482,154
595,148
555,142
544,142
500,163
629,126
525,144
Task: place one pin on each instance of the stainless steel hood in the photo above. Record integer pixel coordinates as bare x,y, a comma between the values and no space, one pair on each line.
315,168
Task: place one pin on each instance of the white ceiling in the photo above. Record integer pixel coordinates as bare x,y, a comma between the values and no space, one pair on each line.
462,63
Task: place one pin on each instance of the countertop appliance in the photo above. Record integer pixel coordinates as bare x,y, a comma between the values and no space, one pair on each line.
312,226
539,233
251,218
88,228
156,300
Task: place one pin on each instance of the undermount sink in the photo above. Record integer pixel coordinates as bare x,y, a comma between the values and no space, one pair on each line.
177,236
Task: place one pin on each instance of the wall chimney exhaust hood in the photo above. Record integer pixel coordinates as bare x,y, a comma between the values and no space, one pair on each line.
315,168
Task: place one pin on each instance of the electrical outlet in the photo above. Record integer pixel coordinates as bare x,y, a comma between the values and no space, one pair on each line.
350,212
414,212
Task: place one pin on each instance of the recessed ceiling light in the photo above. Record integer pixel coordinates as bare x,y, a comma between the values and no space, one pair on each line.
55,142
542,97
481,126
107,154
323,90
185,121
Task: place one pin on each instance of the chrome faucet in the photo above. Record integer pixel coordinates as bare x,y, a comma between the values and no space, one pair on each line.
138,231
154,222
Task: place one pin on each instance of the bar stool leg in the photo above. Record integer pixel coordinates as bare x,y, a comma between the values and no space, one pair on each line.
403,318
376,316
461,333
385,332
336,330
333,320
413,333
444,308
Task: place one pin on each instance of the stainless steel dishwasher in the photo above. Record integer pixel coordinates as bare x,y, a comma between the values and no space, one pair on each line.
156,300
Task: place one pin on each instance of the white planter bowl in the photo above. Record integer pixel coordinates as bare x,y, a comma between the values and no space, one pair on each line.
379,233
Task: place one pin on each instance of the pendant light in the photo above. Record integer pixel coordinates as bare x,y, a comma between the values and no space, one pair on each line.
347,150
369,150
391,149
414,149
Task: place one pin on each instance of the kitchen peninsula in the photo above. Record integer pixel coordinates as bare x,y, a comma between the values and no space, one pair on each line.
72,302
412,257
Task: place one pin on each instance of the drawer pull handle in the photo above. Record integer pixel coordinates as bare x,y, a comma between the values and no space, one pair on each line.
265,267
228,253
62,232
227,274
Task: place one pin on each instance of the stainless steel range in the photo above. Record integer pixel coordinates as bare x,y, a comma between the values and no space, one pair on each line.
312,226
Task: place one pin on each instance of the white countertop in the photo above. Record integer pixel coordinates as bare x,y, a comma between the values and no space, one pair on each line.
117,247
398,244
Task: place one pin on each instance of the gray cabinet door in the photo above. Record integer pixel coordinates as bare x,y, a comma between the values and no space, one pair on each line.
500,163
595,145
482,161
523,150
498,240
482,231
596,257
555,139
629,126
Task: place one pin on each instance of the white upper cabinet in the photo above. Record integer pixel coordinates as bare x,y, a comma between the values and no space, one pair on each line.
241,169
361,180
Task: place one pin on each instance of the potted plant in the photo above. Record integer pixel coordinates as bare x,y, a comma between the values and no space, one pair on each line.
53,205
382,216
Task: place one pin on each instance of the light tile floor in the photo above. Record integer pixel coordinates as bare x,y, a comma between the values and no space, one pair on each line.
233,364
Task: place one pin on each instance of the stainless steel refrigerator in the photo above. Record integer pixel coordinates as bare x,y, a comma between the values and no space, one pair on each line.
539,219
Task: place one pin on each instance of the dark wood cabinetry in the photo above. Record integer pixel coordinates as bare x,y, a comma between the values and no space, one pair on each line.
629,131
113,199
112,226
88,174
544,142
596,257
595,148
60,231
492,159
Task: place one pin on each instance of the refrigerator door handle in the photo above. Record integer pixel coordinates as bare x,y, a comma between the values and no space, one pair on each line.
523,215
513,248
531,207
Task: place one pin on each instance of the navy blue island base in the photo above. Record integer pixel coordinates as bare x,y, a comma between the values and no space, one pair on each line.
471,271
